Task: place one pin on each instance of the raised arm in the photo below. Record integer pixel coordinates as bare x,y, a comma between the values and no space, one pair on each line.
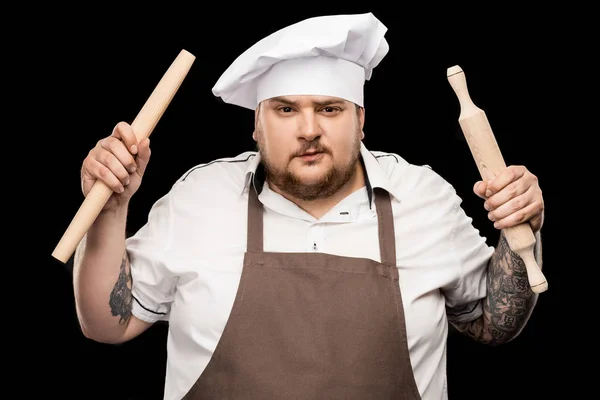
101,274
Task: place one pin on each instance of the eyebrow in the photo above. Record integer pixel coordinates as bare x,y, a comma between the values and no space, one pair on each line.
285,100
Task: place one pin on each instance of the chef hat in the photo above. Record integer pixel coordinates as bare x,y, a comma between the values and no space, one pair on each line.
329,55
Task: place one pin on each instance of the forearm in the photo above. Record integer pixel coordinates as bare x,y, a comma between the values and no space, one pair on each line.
102,282
509,301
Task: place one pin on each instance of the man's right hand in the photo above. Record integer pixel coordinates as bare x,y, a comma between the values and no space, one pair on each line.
119,161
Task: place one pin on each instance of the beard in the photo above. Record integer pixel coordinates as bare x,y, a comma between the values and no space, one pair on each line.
326,186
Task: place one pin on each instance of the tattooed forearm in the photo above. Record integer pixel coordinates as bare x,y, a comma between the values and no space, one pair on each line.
120,297
509,300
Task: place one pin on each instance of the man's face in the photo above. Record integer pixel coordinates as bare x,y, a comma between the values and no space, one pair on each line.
310,145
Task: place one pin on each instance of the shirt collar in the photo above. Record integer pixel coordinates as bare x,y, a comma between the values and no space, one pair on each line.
375,175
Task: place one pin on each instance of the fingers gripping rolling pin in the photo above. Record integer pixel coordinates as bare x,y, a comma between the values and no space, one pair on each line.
485,150
143,125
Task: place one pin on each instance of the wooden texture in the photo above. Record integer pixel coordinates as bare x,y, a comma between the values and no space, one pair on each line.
143,125
490,162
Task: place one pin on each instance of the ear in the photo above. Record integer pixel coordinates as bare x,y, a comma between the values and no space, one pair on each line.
256,114
361,121
254,134
361,118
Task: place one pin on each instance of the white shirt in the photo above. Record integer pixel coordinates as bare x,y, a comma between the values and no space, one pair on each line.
186,261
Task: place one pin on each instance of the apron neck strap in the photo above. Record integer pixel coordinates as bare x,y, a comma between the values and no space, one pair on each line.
383,205
255,221
385,221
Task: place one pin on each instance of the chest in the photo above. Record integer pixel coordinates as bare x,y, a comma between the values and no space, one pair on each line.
210,272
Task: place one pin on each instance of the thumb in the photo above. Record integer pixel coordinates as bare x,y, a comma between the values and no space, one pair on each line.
479,189
143,156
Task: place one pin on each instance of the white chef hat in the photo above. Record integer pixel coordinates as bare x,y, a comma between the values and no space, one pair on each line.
329,55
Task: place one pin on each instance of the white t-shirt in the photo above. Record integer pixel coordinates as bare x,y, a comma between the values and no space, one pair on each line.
186,261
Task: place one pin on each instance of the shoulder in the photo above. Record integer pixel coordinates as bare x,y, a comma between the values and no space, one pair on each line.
218,177
405,176
234,167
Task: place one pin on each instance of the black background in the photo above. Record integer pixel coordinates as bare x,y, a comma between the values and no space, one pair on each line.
96,67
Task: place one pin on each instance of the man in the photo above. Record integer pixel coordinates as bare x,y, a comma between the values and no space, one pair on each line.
312,268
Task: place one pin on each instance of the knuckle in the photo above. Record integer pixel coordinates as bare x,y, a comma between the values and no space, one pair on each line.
88,158
539,206
105,158
113,143
124,176
121,126
512,190
512,173
494,202
109,142
517,217
516,205
104,173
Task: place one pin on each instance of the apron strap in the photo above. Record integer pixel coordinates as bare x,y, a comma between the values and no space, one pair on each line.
387,237
255,222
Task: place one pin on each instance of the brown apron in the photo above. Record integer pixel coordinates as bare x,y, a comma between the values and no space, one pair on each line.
313,326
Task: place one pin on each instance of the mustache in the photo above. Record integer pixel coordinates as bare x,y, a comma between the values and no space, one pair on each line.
310,147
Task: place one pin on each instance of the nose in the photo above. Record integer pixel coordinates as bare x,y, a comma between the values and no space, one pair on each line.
308,126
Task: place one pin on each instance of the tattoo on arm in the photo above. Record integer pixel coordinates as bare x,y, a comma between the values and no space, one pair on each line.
120,298
509,300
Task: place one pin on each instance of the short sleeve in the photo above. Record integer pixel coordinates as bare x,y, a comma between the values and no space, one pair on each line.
464,300
153,285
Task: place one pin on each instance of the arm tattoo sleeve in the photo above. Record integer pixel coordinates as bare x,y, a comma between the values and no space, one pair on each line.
120,298
509,300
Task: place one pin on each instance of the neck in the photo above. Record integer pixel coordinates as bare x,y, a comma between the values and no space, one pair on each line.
319,207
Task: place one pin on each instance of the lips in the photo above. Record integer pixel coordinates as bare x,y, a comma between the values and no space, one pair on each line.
311,156
310,153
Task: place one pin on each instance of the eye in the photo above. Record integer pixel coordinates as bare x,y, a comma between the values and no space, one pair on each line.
329,110
285,109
